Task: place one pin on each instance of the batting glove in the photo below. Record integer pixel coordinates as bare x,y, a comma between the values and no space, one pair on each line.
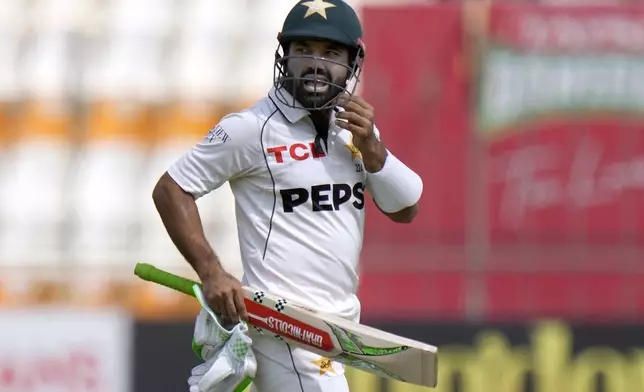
229,362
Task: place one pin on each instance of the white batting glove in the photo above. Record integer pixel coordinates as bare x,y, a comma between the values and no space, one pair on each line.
230,363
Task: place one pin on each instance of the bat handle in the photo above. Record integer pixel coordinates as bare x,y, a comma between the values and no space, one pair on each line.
152,274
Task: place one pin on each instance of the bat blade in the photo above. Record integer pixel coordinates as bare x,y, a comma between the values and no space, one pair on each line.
356,345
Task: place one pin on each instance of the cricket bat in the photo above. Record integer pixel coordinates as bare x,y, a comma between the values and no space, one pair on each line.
353,344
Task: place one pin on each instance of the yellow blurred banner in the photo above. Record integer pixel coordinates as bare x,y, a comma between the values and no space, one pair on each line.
545,357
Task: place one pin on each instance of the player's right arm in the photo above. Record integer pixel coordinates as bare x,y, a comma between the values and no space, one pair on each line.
180,216
228,151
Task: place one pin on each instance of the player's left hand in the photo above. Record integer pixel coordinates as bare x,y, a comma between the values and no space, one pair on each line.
357,118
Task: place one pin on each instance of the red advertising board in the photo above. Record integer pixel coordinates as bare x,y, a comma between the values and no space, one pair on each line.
415,79
533,168
559,111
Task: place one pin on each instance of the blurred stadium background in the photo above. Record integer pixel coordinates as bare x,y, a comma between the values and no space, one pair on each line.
523,117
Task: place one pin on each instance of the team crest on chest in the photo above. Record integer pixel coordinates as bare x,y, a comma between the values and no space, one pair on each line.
355,153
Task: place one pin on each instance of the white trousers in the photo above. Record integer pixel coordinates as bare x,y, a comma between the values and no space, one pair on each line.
284,368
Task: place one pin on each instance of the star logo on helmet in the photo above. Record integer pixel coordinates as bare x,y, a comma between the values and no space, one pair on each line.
317,7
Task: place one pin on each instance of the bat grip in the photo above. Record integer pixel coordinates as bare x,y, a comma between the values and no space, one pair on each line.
152,274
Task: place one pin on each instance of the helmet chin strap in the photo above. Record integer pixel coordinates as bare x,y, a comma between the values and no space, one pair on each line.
352,85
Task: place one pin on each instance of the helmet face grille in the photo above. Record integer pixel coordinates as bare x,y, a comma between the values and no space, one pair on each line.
286,83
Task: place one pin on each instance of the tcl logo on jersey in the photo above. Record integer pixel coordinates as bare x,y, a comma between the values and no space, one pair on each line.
324,197
297,151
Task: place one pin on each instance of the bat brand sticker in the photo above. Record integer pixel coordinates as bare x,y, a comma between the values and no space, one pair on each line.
352,344
289,329
366,366
282,324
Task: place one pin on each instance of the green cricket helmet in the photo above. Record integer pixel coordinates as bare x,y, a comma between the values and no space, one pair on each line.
319,20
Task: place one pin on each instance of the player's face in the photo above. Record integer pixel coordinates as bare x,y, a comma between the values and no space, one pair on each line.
319,75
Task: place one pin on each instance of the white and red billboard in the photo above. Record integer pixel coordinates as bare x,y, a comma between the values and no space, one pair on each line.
525,122
559,110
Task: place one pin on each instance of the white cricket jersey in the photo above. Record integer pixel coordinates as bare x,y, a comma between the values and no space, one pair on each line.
300,211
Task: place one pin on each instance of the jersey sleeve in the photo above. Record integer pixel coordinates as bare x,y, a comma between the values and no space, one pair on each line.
229,150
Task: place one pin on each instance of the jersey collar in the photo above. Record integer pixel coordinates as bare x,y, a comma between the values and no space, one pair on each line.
292,114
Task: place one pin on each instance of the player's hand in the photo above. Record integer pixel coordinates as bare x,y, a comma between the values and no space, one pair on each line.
358,118
225,296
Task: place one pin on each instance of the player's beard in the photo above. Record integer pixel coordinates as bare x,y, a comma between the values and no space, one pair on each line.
313,95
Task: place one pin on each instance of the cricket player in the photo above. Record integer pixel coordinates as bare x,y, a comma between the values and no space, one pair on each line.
300,163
